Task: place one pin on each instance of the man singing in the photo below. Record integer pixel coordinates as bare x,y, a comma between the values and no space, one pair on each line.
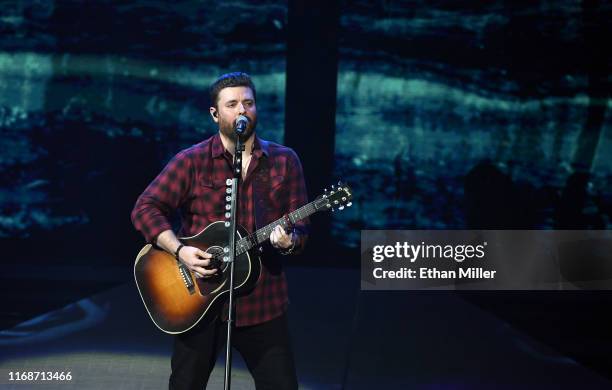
193,183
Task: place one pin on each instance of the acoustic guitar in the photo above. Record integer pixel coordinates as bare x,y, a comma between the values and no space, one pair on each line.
176,300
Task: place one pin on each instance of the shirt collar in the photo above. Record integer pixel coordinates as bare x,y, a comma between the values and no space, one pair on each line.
260,147
217,146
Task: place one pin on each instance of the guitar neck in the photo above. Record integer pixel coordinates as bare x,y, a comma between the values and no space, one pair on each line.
263,234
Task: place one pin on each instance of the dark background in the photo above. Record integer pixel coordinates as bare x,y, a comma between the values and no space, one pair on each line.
440,114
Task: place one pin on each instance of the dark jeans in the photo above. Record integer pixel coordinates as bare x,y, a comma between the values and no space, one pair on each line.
266,349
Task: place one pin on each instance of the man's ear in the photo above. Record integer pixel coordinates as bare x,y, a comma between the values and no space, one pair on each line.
214,114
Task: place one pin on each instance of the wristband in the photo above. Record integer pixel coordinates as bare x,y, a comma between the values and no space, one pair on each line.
176,253
288,251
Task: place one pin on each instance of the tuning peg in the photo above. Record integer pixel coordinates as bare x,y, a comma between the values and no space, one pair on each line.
333,186
341,208
339,183
349,204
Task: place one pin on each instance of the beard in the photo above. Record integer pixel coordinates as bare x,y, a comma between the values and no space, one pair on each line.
227,129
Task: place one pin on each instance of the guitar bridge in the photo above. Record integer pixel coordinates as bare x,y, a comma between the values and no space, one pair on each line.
187,279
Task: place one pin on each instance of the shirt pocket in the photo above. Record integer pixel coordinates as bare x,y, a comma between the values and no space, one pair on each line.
278,193
276,182
210,199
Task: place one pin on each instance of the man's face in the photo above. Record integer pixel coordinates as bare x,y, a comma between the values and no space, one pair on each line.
232,102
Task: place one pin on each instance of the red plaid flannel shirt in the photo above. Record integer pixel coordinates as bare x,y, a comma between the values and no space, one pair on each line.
194,184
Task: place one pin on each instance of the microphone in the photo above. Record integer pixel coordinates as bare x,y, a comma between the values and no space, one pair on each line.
241,124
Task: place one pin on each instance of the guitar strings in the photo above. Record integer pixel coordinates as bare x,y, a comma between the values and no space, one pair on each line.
251,240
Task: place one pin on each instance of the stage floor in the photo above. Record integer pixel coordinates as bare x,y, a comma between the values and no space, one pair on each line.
343,338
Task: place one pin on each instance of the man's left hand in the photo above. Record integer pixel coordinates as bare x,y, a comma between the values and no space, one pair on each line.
280,239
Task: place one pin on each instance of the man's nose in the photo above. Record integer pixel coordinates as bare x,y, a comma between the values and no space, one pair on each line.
241,109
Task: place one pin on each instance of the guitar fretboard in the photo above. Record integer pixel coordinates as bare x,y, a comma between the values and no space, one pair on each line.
263,234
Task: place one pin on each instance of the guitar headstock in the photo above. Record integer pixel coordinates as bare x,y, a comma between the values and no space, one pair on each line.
338,197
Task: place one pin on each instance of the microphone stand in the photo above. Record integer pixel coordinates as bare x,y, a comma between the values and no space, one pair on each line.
230,256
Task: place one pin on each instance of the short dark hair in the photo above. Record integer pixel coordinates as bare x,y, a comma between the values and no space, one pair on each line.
234,79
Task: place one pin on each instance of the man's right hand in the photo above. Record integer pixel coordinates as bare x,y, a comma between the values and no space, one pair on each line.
196,259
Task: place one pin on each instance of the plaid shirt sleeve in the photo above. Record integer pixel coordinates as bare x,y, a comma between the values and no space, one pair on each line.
154,208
